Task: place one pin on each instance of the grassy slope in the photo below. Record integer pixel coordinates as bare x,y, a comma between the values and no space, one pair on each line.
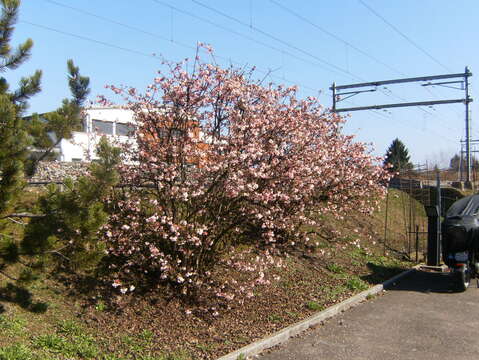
45,323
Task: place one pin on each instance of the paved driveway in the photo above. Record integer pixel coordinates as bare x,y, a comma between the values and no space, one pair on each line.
417,318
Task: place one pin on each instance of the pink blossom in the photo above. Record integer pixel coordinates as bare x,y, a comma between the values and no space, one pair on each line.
220,158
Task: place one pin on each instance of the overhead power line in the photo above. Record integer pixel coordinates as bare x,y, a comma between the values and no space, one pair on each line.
164,38
118,47
153,55
336,37
347,43
111,21
275,38
170,40
232,18
407,38
244,36
378,114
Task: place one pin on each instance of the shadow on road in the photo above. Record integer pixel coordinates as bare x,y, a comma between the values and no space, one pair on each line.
425,282
380,273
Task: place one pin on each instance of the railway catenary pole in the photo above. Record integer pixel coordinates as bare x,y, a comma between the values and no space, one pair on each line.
468,129
452,79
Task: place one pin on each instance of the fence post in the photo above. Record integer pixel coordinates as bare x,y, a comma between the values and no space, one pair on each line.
433,235
417,244
386,220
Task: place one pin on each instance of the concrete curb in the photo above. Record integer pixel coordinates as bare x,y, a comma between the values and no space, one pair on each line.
283,335
440,268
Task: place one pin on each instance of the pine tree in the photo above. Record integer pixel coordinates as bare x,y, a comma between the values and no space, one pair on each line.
397,156
78,211
67,233
57,125
14,141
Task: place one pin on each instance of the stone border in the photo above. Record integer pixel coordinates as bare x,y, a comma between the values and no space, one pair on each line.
283,335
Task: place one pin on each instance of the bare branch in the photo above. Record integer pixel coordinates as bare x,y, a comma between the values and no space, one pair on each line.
56,252
16,221
23,215
8,276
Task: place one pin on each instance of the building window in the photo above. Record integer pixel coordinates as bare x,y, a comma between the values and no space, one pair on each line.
124,129
81,127
172,133
102,127
176,133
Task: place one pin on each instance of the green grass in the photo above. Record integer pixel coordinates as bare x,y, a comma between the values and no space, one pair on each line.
205,347
333,292
69,328
12,325
275,318
18,352
70,340
315,306
334,268
292,314
146,336
52,343
356,284
139,343
100,306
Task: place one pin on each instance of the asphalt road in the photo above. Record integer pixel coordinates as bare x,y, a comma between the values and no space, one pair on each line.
420,317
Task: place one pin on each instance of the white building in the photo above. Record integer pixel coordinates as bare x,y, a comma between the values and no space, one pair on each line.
114,122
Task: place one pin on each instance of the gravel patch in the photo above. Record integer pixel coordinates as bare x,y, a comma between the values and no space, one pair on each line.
58,170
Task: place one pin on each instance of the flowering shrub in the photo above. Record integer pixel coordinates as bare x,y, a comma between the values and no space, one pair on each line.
221,159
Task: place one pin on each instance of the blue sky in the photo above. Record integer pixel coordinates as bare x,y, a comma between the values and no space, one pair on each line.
308,43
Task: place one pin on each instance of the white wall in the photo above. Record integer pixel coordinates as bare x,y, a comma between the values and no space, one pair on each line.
82,145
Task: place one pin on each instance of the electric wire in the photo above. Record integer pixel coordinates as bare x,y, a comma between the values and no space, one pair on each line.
244,36
249,38
408,39
164,38
170,39
111,21
292,46
379,114
404,36
345,42
152,55
82,37
232,18
336,37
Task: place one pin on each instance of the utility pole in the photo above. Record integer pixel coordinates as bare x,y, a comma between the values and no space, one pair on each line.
468,130
452,82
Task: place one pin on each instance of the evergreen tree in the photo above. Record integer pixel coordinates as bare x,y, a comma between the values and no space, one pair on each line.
14,141
397,156
78,211
67,232
57,125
